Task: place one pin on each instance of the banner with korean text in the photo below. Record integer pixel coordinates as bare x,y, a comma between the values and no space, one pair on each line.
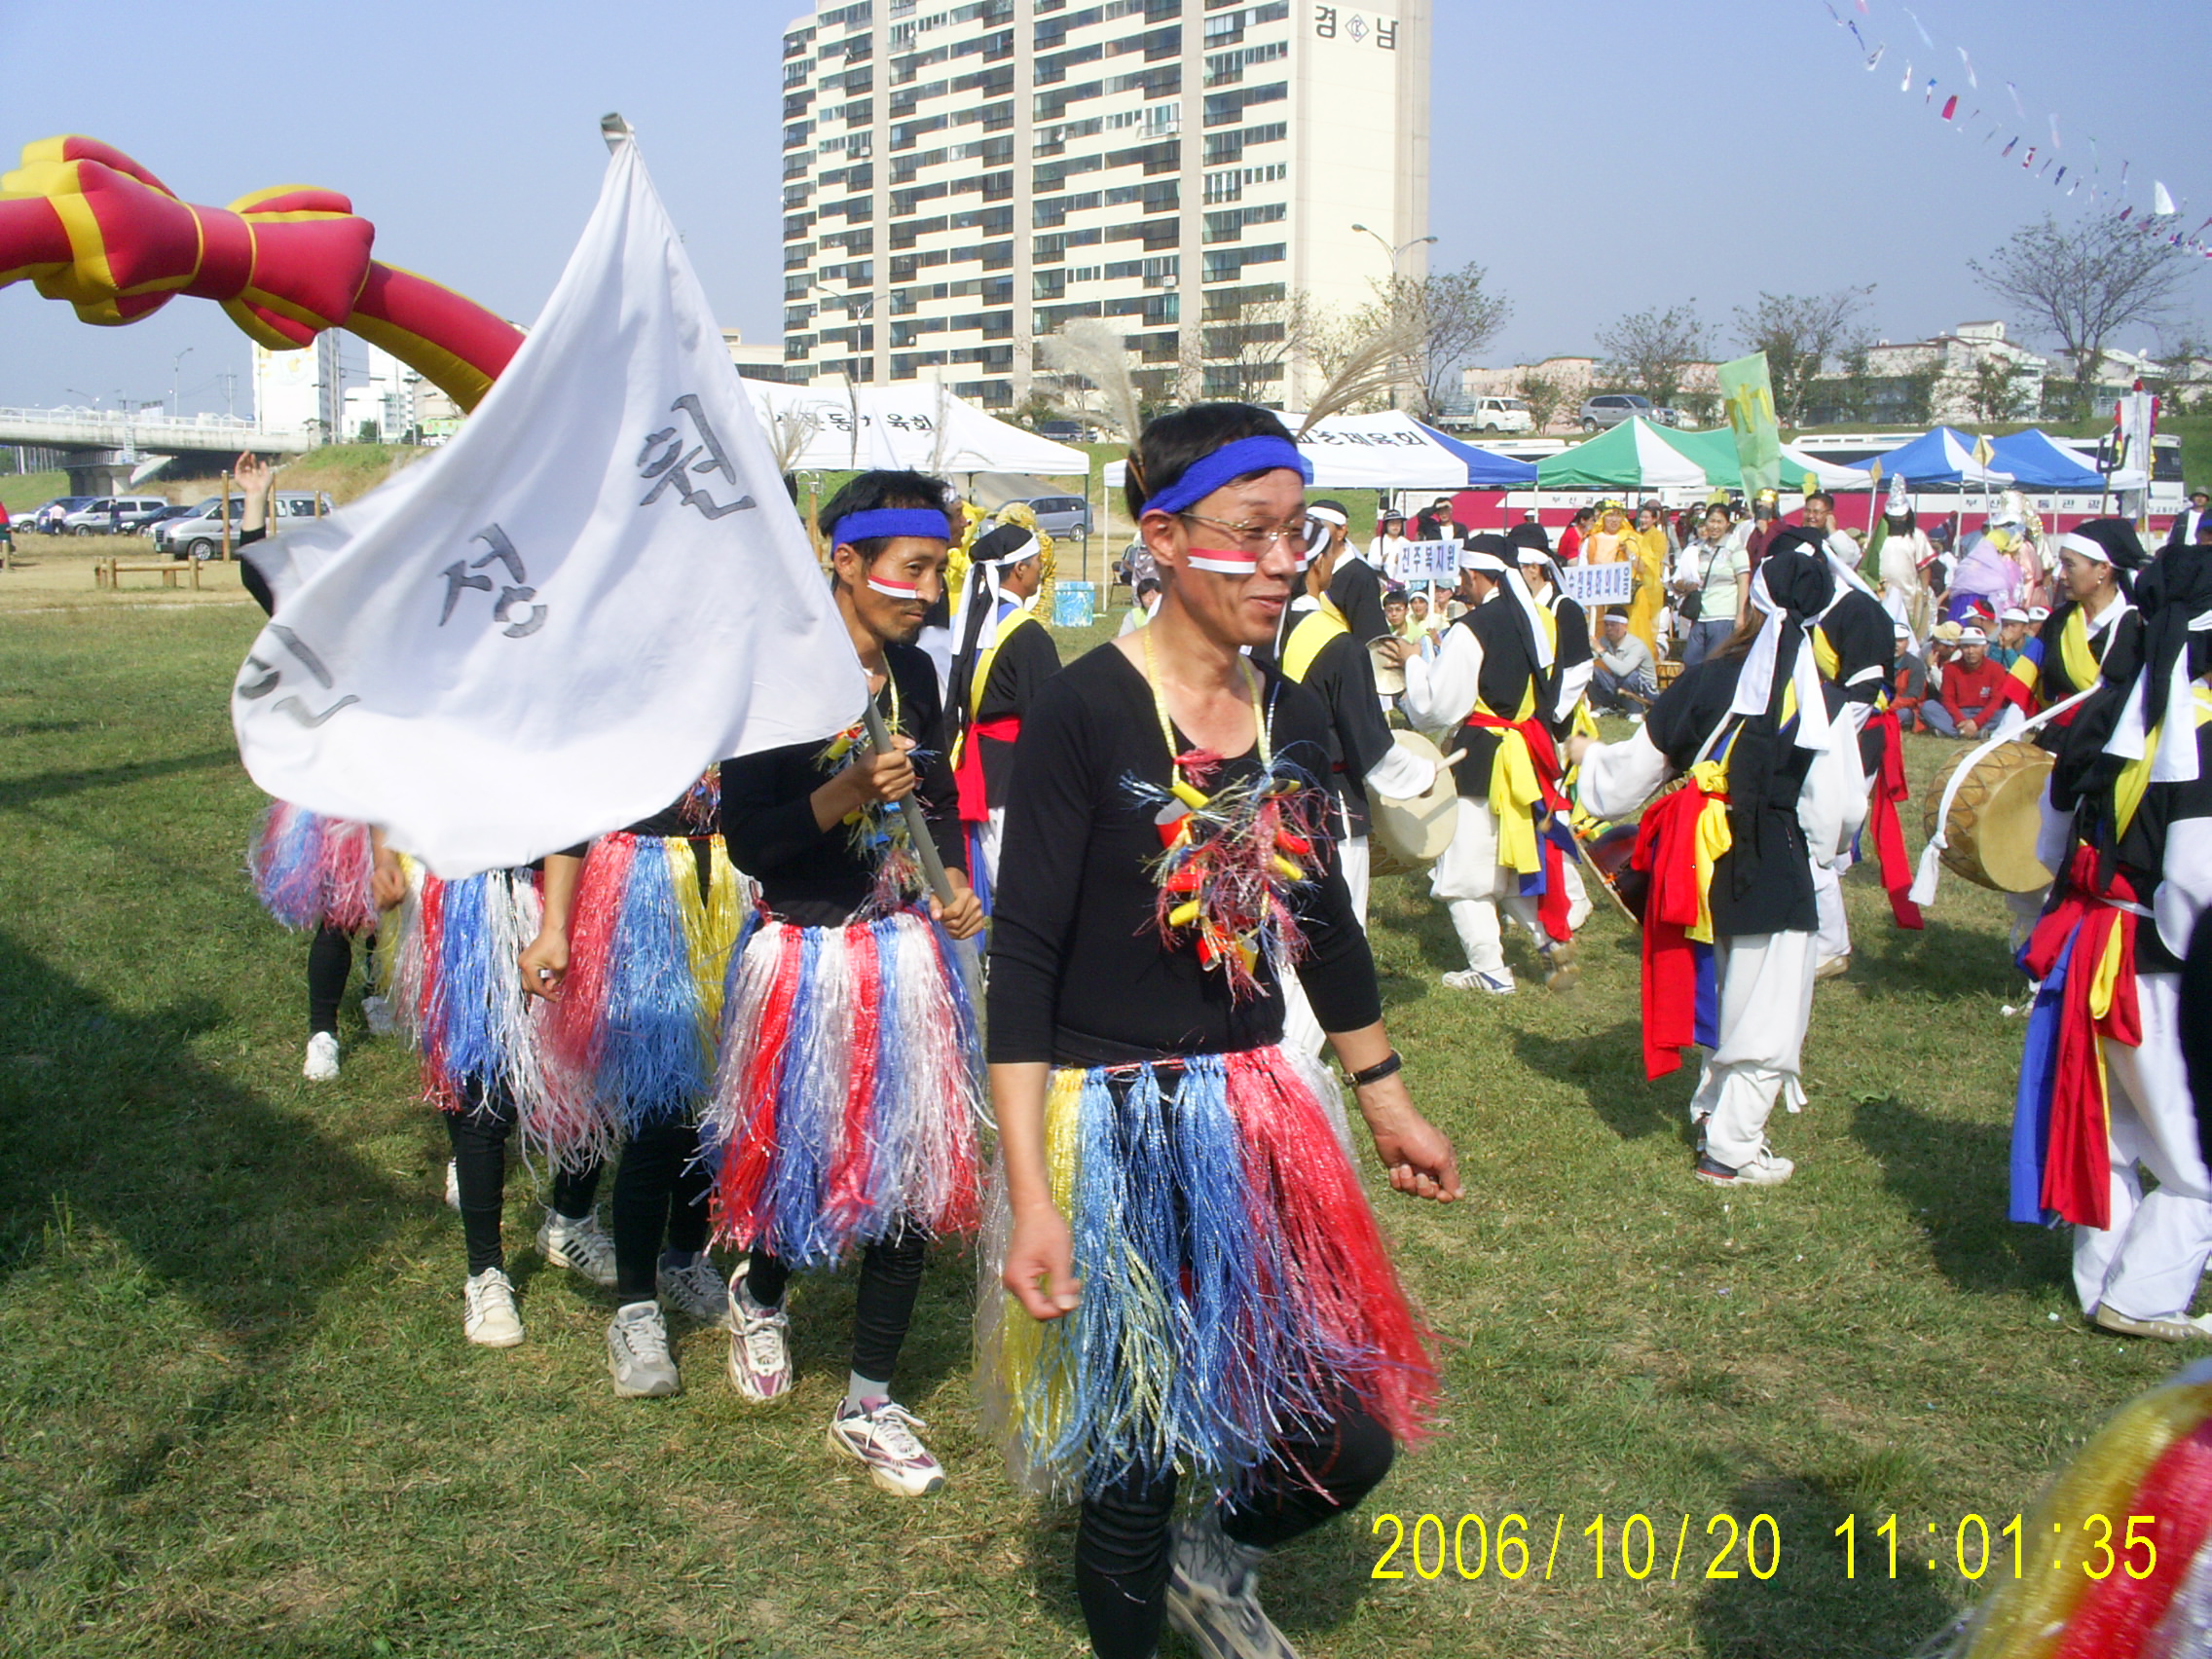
549,628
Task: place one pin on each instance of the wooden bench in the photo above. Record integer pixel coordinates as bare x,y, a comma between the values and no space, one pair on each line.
105,571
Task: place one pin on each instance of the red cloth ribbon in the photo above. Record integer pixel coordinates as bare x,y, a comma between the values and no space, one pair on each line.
1882,819
1666,848
87,224
1552,906
2077,1171
975,799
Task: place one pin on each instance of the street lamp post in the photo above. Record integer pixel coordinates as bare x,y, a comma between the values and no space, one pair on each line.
176,371
1393,252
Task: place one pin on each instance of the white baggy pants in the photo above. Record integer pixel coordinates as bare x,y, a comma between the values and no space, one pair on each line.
2147,1263
1471,884
1301,1033
1766,1000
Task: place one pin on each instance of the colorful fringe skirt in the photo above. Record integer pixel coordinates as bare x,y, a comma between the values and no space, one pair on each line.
310,871
1234,1283
850,1092
456,991
648,953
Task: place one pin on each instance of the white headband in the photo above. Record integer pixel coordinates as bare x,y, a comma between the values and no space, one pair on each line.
1754,684
1490,564
2087,548
1327,515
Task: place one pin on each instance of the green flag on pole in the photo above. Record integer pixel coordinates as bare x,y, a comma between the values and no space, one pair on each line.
1749,396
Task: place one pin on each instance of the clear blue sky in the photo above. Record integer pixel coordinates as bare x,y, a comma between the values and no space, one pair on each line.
1598,156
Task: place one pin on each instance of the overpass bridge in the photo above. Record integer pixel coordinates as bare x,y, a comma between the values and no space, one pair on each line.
100,448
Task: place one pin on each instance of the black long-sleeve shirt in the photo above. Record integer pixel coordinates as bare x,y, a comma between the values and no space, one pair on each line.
1080,975
817,878
1025,660
1343,676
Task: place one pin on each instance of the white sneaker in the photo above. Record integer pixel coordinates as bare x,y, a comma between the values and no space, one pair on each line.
759,1345
1560,970
883,1437
1765,1169
2167,1328
699,1291
377,1010
1213,1595
1499,983
492,1319
581,1247
453,1185
322,1058
637,1354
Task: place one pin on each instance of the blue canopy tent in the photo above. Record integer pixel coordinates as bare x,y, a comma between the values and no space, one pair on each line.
1944,455
2036,463
1486,469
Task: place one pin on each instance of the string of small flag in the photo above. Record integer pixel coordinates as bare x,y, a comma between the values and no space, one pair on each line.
2163,216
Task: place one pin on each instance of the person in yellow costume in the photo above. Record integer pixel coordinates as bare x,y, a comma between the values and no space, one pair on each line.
1648,546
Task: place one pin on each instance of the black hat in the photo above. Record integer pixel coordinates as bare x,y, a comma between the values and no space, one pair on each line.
1529,535
2115,537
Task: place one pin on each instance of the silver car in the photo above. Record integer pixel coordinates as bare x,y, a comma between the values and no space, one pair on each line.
1611,408
1060,517
199,534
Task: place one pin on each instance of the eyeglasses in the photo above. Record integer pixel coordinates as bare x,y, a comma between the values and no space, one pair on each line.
1255,539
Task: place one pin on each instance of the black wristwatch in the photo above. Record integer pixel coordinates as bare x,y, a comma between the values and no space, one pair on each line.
1379,1070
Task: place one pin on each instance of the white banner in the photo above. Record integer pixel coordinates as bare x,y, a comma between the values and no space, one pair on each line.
1429,562
1599,584
551,627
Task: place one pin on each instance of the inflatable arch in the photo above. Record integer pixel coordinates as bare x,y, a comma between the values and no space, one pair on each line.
85,223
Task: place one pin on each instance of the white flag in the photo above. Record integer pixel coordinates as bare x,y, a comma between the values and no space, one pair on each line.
2162,204
548,629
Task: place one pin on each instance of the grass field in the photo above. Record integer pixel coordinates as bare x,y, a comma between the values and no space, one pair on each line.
238,1415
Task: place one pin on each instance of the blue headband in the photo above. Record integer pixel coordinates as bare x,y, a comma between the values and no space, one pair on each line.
888,522
1225,465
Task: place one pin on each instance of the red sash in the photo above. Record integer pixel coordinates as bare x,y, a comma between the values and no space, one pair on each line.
1882,819
2077,1171
1665,847
975,799
1552,904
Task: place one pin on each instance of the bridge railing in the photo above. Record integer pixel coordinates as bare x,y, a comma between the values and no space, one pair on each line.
99,428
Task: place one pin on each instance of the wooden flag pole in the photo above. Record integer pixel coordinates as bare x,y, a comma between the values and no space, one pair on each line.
925,847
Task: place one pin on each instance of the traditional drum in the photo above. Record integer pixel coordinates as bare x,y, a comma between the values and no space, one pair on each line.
1389,678
1416,831
1990,836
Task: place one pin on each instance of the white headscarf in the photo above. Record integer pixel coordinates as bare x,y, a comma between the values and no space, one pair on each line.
1755,685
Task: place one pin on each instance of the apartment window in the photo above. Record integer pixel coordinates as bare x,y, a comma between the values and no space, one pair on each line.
1230,186
1048,284
1227,28
1221,108
1229,226
1227,264
1226,68
1224,147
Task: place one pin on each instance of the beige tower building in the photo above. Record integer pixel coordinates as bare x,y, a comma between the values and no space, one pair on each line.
961,181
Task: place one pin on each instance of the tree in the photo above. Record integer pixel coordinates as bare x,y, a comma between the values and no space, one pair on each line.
1647,351
1446,319
1799,333
2083,287
1989,390
1246,344
1544,396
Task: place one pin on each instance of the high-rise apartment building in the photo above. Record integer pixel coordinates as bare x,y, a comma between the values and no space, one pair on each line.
963,180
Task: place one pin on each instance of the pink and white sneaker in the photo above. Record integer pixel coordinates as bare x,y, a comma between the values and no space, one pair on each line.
882,1436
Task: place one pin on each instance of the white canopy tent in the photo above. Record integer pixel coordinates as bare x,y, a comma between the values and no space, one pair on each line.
1389,451
1828,474
917,425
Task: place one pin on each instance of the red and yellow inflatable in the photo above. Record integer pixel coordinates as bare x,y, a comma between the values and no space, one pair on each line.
87,224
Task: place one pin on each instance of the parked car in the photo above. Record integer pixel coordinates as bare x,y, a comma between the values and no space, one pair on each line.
197,533
1060,517
124,515
1060,431
46,519
1501,415
1611,408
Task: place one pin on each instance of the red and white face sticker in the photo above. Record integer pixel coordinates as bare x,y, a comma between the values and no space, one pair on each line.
1224,561
911,591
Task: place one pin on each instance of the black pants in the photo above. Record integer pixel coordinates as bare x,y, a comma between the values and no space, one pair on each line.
330,963
883,1304
660,1191
1122,1544
479,1133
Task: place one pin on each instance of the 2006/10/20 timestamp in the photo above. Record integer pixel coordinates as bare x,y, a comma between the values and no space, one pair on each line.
1633,1547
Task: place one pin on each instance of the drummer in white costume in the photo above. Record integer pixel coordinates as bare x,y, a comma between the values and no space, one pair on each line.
2105,1096
1489,687
1773,781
